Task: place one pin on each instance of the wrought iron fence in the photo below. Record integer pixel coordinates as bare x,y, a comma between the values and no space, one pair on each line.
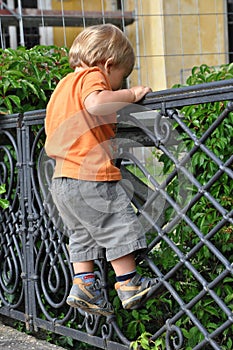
194,270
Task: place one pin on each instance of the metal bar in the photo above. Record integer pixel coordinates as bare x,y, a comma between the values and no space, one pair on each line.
189,95
21,30
55,17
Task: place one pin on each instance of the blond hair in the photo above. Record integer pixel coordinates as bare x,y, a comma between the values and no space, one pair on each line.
96,44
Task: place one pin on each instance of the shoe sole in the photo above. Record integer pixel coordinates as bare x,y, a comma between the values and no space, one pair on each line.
87,307
133,301
137,301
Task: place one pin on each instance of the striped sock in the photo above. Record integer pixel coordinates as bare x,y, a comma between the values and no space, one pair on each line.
126,276
86,277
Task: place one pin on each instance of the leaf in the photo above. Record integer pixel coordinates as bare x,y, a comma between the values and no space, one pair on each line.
132,328
2,189
15,99
15,73
31,86
212,326
8,104
211,310
134,345
4,203
228,298
6,84
229,343
135,314
228,280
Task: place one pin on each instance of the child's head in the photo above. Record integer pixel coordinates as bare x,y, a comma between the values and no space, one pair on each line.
96,44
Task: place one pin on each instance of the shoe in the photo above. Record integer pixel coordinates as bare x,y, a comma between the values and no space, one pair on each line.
88,297
134,291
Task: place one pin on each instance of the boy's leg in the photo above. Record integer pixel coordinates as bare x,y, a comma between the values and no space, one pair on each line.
85,292
82,266
124,264
131,288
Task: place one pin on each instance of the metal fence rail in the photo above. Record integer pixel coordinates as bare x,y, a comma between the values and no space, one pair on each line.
35,273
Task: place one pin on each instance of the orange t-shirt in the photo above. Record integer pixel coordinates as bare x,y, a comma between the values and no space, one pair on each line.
80,142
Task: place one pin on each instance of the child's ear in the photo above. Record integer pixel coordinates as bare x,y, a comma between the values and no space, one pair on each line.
108,64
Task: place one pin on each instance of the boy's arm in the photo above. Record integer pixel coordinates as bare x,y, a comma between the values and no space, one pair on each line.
105,102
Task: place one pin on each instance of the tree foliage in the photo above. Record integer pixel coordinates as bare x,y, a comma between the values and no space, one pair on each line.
28,77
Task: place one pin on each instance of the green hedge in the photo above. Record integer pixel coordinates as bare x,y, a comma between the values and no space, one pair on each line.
28,77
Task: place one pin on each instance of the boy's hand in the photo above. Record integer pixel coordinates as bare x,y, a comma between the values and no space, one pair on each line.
139,92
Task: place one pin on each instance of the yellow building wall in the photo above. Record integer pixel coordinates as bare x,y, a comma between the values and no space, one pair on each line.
69,33
147,31
194,35
169,36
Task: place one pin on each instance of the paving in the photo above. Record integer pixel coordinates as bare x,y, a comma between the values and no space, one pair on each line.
11,338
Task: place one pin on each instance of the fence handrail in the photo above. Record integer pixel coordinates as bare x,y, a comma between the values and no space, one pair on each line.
158,100
188,95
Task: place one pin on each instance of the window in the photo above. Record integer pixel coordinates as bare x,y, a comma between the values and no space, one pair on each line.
31,34
230,28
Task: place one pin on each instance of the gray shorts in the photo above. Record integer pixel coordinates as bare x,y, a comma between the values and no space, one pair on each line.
100,219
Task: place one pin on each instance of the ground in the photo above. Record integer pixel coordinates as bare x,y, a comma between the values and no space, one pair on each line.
10,338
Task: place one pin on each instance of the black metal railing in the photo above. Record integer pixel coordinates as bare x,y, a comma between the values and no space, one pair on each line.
194,270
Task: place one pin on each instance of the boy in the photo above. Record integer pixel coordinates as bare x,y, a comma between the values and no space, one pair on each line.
80,123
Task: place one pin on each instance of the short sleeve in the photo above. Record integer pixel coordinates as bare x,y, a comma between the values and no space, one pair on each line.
94,80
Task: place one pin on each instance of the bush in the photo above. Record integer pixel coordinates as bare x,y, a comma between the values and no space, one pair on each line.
28,77
203,213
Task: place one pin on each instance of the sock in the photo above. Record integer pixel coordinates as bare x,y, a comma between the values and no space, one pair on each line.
126,276
86,277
